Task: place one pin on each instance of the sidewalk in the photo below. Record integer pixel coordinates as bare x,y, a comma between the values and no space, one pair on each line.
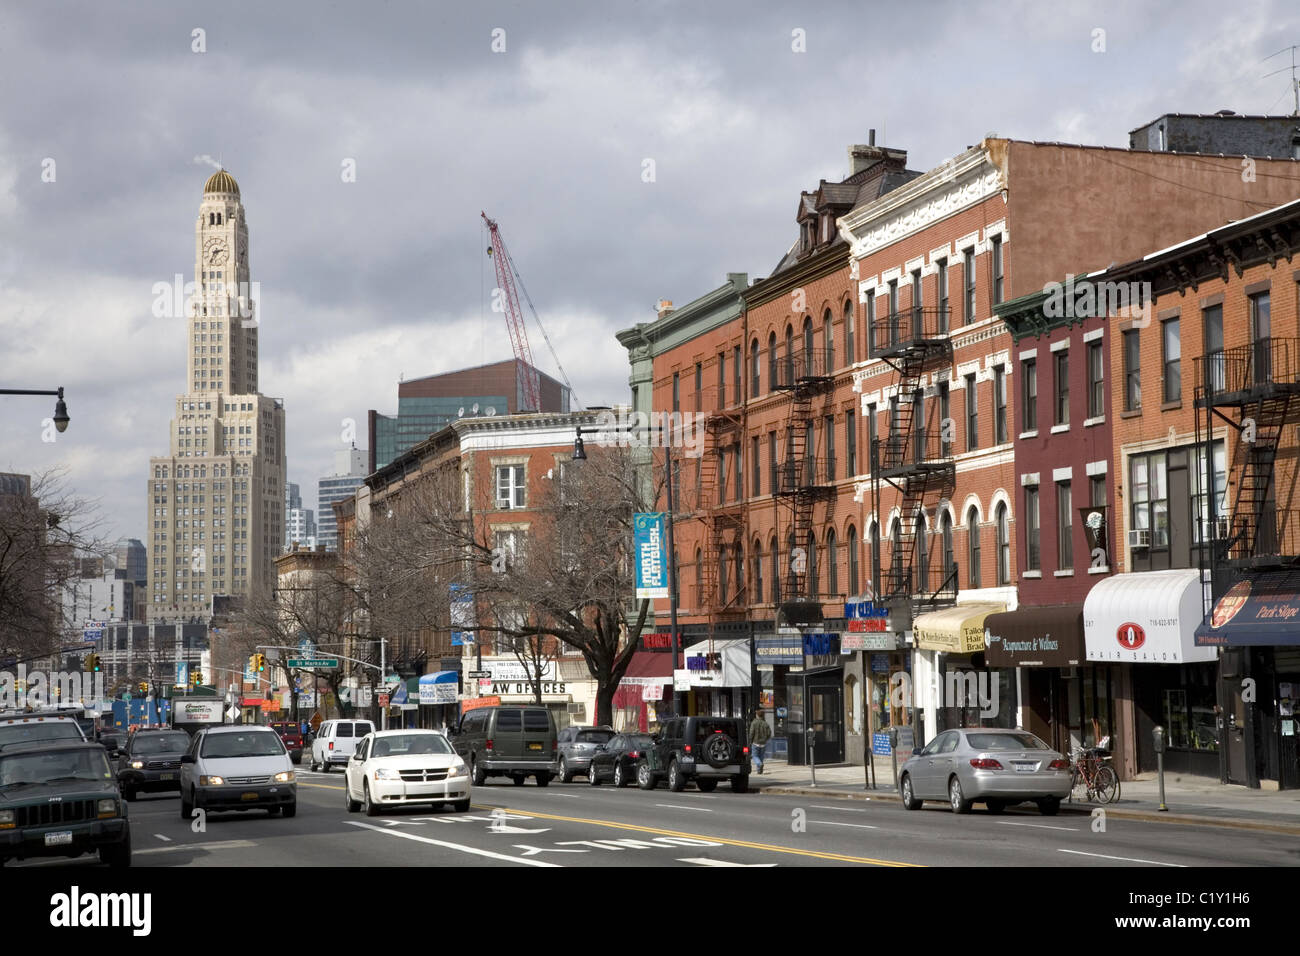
1195,800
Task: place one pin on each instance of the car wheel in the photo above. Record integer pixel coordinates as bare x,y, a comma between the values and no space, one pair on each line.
676,782
290,809
564,773
740,783
543,779
325,764
593,778
368,806
1048,806
313,766
461,806
995,806
707,786
957,798
478,774
518,779
118,855
909,798
348,802
644,778
620,776
187,806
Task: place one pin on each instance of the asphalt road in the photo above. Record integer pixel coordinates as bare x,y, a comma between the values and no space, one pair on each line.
580,825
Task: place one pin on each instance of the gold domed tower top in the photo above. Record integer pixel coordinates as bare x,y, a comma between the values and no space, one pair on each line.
221,182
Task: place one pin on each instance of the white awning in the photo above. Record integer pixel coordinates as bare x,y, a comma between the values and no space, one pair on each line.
1147,618
735,664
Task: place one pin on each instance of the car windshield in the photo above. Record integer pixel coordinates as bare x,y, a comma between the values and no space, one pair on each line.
53,767
38,730
161,744
595,736
1006,740
401,745
261,743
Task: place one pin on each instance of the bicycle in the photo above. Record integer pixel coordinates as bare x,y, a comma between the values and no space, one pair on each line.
1090,768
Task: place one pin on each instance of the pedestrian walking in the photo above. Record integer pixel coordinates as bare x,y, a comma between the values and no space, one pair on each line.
759,734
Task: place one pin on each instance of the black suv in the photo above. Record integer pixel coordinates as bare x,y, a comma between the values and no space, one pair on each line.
60,798
703,749
151,762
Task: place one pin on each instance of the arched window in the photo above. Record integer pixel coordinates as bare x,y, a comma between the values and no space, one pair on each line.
756,559
973,536
922,576
808,346
753,369
771,361
828,341
832,564
949,556
1004,545
699,578
789,355
850,347
775,565
811,579
852,543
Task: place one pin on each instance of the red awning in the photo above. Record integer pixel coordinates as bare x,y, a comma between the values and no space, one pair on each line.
643,666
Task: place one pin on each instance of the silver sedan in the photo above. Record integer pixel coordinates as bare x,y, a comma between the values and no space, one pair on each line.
985,765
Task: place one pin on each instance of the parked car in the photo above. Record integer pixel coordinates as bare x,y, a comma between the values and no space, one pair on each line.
702,749
575,746
19,727
238,767
151,762
394,768
985,765
511,741
618,759
290,732
336,741
60,798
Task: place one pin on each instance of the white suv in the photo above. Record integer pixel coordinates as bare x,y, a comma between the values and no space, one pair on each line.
238,767
336,741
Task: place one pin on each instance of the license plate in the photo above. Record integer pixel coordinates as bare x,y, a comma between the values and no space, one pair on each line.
166,776
1026,767
62,838
248,796
534,746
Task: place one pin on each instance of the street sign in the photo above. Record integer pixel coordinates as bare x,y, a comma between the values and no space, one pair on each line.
313,662
474,675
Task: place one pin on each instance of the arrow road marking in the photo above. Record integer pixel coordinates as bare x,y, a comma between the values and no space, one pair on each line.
534,850
475,851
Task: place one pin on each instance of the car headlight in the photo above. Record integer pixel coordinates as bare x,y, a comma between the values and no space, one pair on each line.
211,781
107,808
386,773
456,770
137,764
7,820
284,776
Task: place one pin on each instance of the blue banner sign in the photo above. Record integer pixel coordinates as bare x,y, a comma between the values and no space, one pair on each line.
651,542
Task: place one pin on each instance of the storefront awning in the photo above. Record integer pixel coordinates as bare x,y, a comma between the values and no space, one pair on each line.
1048,636
954,630
646,669
1147,618
440,687
734,671
1264,609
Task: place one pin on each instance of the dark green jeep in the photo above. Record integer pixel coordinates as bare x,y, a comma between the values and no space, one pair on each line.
60,798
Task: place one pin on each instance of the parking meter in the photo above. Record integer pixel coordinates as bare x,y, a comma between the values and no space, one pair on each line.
1158,737
811,735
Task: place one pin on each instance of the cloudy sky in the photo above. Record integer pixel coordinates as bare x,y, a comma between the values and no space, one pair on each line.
369,281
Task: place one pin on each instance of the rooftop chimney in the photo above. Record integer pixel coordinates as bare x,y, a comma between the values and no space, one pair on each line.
665,306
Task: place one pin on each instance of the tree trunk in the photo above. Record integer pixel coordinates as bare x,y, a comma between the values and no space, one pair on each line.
605,703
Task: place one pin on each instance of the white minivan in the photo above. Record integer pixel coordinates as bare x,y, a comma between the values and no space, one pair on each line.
336,741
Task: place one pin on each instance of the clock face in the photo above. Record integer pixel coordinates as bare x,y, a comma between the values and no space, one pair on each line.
215,252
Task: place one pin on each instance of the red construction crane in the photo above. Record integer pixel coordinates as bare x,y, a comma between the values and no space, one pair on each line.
507,275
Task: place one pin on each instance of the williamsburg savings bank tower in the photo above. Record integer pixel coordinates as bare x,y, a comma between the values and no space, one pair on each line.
215,503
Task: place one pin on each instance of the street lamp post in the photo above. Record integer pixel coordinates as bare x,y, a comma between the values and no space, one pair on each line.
60,407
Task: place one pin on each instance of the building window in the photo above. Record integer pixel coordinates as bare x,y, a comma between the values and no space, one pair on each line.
972,414
850,443
1171,360
832,564
510,487
997,269
699,578
829,425
1096,381
1064,527
754,368
789,356
872,342
735,374
973,546
893,312
828,342
1033,560
808,348
949,554
810,582
699,386
1214,357
871,437
755,471
852,543
1261,331
1132,370
999,405
918,306
771,462
1063,387
722,380
771,361
968,285
677,392
942,281
850,351
1029,393
1004,545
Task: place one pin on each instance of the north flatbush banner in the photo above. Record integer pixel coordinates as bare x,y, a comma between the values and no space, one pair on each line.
651,542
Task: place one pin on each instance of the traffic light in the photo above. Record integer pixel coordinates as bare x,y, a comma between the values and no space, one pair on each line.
197,679
91,663
144,687
260,660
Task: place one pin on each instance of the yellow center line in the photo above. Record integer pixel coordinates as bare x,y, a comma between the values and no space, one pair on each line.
319,786
766,847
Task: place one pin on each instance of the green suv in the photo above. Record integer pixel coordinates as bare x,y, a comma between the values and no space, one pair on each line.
60,798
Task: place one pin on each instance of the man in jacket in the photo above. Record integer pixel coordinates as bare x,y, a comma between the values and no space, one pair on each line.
759,735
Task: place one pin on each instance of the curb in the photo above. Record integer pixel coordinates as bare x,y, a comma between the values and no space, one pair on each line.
1148,816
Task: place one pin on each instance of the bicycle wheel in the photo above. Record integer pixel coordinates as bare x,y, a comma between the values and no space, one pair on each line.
1106,785
1076,780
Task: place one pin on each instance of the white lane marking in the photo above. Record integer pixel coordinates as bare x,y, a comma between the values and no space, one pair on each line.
840,809
1039,826
573,796
705,861
1126,859
452,846
165,839
218,845
677,806
859,826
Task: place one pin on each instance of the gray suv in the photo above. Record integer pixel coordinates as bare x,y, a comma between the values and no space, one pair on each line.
576,747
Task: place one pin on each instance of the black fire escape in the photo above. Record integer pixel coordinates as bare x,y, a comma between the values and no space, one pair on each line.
722,507
801,478
915,458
